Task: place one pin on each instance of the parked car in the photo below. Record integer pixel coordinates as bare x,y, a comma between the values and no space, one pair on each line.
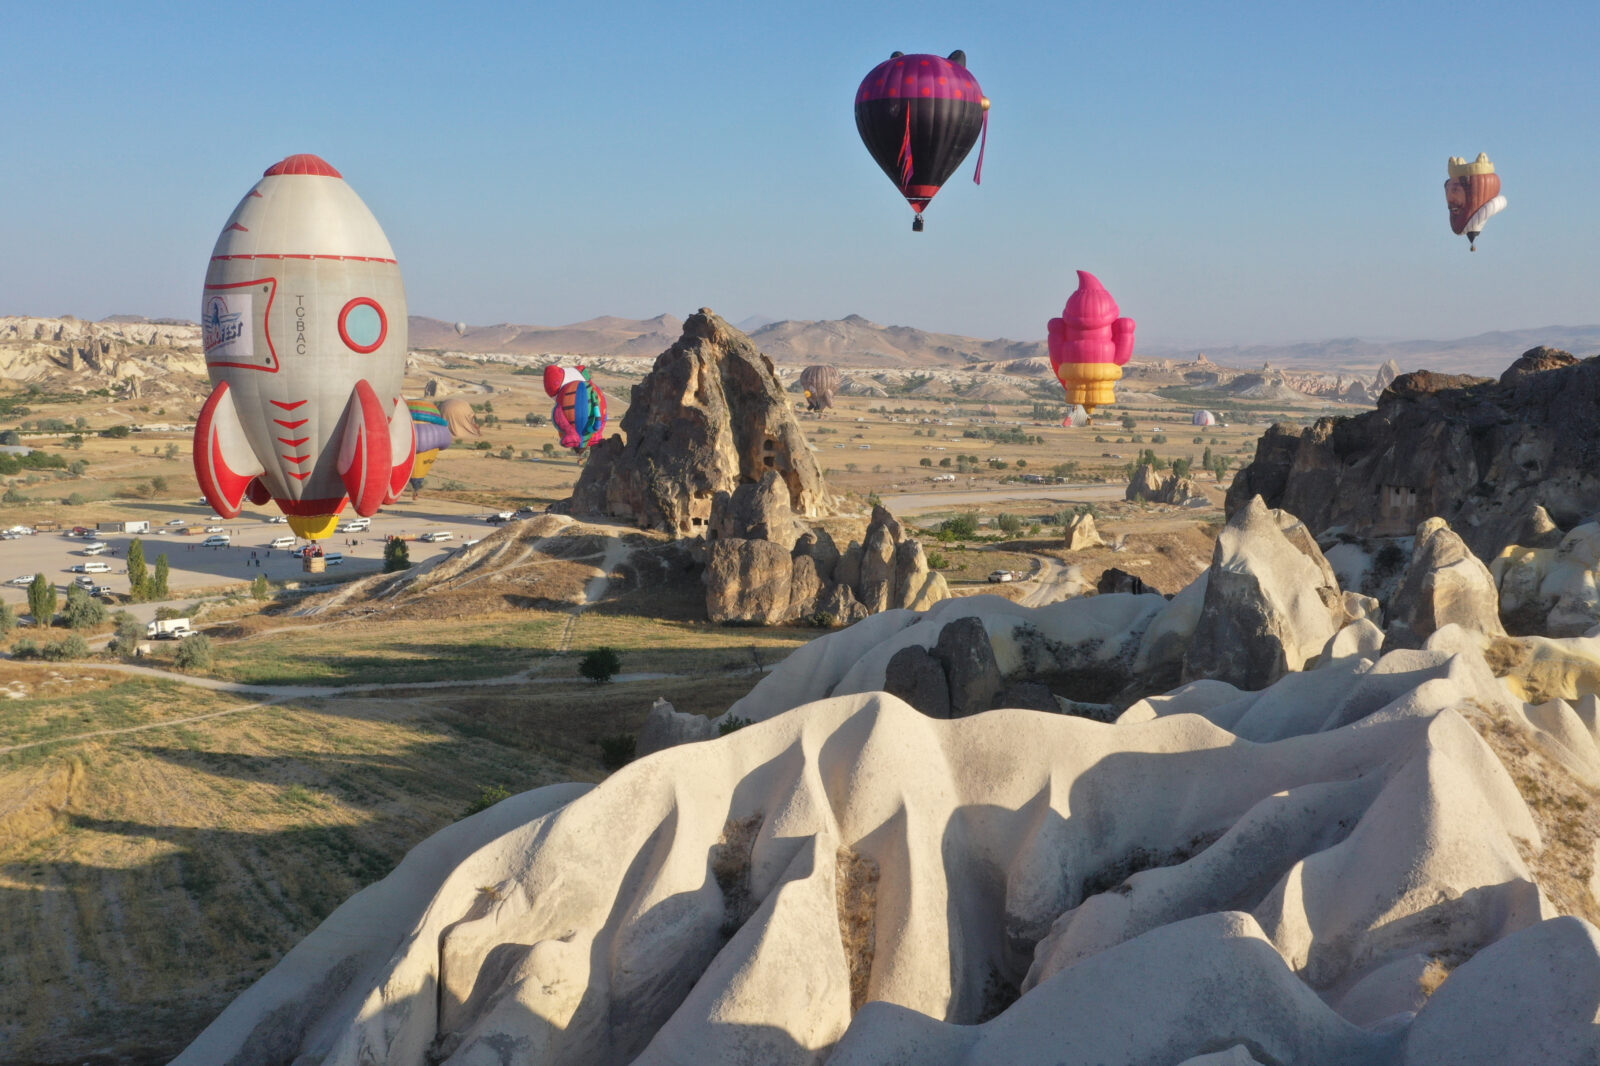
95,567
96,547
281,542
355,525
279,520
333,558
499,517
100,590
84,581
21,580
177,522
8,535
1002,575
215,529
437,535
220,540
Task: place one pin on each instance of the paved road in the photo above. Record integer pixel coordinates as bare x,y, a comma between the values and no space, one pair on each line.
954,496
194,567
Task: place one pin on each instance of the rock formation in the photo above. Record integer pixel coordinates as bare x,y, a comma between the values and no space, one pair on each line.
1478,453
710,416
1338,868
1081,533
764,570
1150,487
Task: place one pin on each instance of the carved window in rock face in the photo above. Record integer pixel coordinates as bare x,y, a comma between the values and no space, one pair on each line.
1398,502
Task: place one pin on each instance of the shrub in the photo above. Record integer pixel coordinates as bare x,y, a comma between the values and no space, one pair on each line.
731,725
128,634
260,588
600,665
1009,524
963,526
487,798
617,751
821,620
396,556
83,611
925,461
117,432
72,647
164,613
8,619
937,561
194,653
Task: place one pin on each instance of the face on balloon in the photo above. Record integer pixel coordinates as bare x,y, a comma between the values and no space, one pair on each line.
1458,197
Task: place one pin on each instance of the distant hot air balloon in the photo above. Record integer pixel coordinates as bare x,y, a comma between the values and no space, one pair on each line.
1473,195
303,321
437,426
919,116
580,410
461,329
820,383
1089,344
1204,418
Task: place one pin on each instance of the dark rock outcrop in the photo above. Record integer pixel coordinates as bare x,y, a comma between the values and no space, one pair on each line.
710,416
914,675
1478,453
1150,487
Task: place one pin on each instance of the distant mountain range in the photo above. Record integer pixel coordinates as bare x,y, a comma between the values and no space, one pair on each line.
856,341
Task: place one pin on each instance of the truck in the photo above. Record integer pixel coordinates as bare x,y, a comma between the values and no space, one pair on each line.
123,527
167,629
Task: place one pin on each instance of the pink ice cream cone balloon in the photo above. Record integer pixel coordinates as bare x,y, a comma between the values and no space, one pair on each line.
1089,344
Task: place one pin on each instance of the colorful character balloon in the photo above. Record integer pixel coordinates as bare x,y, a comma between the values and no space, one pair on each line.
1204,418
580,410
303,318
1089,344
1473,196
437,426
820,384
919,116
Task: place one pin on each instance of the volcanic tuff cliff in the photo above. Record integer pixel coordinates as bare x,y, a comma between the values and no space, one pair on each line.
1480,453
710,416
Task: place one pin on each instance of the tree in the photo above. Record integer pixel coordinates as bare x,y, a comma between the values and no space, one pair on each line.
83,610
172,451
10,437
1128,422
260,588
128,633
963,526
925,461
42,601
600,665
138,575
194,653
1009,524
945,462
8,619
1021,463
158,583
1205,459
396,556
548,449
1180,467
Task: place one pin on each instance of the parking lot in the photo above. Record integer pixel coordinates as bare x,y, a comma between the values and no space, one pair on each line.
194,566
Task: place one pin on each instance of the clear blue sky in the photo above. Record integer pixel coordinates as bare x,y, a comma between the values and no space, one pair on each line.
1234,172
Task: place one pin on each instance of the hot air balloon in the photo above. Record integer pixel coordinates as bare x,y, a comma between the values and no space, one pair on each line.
1089,344
437,426
820,384
461,329
919,116
580,410
1077,417
303,320
1204,418
1473,196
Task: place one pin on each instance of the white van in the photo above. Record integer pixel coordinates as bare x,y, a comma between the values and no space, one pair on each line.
355,525
438,535
217,540
96,567
281,542
333,558
96,547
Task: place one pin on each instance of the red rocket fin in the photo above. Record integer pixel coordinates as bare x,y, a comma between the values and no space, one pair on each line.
402,449
364,450
223,462
257,492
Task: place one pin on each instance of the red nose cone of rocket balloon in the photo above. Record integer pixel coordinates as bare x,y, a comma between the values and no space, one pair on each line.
302,164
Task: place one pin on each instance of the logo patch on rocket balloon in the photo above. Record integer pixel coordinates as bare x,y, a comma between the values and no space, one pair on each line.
225,327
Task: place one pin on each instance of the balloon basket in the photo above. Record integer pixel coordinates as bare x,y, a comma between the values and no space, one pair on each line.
916,224
315,564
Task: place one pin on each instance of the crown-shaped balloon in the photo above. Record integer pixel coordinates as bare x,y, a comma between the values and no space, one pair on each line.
1460,168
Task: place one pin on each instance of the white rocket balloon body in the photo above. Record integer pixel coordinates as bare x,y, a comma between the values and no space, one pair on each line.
304,323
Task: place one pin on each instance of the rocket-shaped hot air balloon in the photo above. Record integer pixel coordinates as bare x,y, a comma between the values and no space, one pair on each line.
1472,194
1089,344
303,318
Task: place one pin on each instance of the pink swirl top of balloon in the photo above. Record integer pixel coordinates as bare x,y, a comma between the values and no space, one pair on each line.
1089,329
305,163
913,76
